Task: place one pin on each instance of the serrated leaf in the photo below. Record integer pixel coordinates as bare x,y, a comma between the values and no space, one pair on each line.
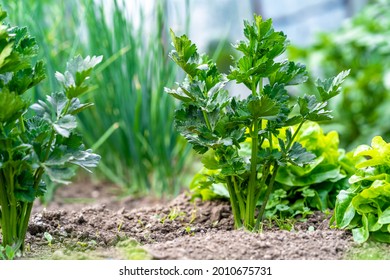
183,46
59,175
77,72
331,87
185,54
179,94
217,100
58,102
40,108
65,125
76,106
25,79
71,151
298,155
209,161
290,74
263,107
85,159
245,69
308,193
312,110
24,44
294,120
12,106
5,53
25,195
54,111
24,48
282,146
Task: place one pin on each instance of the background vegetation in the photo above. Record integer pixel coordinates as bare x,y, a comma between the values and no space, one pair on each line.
363,45
141,151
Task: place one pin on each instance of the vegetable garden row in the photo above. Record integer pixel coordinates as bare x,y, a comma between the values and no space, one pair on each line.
266,152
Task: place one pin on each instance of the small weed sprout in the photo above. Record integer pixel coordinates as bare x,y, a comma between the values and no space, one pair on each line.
176,213
48,238
119,227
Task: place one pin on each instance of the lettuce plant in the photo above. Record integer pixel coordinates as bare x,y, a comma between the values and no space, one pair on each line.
218,125
36,141
365,206
316,185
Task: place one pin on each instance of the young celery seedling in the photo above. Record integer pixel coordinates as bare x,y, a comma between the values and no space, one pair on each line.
217,125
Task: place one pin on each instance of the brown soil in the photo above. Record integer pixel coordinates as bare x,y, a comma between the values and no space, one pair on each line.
179,229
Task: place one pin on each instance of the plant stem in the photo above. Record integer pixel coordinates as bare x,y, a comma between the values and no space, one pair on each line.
295,135
4,211
251,203
9,201
206,119
12,204
27,208
48,148
233,201
260,84
65,111
22,127
272,181
265,173
266,197
241,202
24,224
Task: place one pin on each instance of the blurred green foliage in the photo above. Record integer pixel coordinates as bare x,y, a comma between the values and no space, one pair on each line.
363,45
141,151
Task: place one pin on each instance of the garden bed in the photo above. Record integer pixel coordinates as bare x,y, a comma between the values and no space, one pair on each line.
177,229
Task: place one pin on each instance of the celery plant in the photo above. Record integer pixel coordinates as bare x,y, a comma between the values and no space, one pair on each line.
35,140
218,125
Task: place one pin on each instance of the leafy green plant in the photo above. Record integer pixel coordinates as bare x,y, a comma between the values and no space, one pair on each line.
365,206
217,125
362,44
316,185
149,155
40,139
